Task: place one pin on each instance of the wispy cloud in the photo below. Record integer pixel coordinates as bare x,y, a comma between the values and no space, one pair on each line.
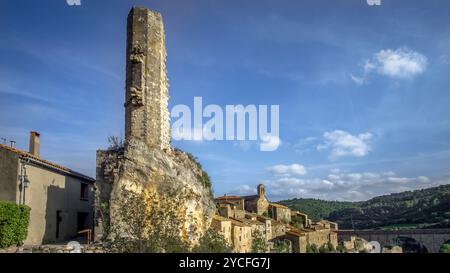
287,170
400,63
342,144
344,186
347,186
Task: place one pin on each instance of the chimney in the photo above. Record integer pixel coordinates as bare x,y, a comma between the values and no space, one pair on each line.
35,143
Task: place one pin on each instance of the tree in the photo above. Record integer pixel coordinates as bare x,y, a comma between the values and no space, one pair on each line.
115,143
341,248
259,244
282,246
323,249
331,247
212,242
312,248
445,248
297,222
148,223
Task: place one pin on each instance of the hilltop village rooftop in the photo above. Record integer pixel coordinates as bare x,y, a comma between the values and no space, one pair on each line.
242,219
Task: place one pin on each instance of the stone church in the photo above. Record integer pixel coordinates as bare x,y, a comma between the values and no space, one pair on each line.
258,203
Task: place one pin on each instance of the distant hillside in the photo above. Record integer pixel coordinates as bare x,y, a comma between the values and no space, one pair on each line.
317,209
429,208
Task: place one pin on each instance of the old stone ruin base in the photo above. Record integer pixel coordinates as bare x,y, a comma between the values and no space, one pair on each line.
156,173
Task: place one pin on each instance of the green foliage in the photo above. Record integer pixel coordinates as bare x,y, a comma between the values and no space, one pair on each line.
212,242
281,246
427,208
312,248
316,209
323,249
204,177
259,244
445,248
115,143
297,222
341,248
206,180
144,225
14,220
270,213
330,247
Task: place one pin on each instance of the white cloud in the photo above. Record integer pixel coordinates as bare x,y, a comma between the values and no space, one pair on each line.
348,186
343,144
358,80
287,170
245,190
399,63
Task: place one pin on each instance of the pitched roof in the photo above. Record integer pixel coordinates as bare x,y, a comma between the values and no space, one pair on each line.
236,222
250,221
250,197
220,218
224,203
47,164
278,206
228,198
298,213
264,217
296,233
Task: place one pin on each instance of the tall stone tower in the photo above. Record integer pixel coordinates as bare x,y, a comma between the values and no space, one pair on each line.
147,87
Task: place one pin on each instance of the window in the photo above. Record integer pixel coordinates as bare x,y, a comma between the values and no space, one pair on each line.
84,194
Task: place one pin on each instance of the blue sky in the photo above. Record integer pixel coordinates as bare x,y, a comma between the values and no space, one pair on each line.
364,91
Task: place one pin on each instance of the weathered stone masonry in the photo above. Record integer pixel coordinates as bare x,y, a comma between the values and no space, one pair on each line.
146,104
147,162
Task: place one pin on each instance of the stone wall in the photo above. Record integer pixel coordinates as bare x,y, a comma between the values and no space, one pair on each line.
147,88
9,169
108,165
98,248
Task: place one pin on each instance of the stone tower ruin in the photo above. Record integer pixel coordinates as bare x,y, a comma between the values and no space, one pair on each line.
147,88
144,164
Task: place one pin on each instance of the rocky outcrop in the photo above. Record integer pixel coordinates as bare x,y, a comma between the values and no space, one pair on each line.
141,169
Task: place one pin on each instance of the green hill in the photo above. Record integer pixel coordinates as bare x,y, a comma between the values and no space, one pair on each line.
428,208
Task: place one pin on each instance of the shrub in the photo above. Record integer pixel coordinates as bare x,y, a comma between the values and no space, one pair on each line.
259,243
212,242
281,246
312,248
445,248
146,223
14,220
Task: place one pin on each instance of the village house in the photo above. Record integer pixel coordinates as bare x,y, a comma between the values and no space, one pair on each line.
250,215
223,226
298,239
230,209
280,213
241,236
61,200
300,218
